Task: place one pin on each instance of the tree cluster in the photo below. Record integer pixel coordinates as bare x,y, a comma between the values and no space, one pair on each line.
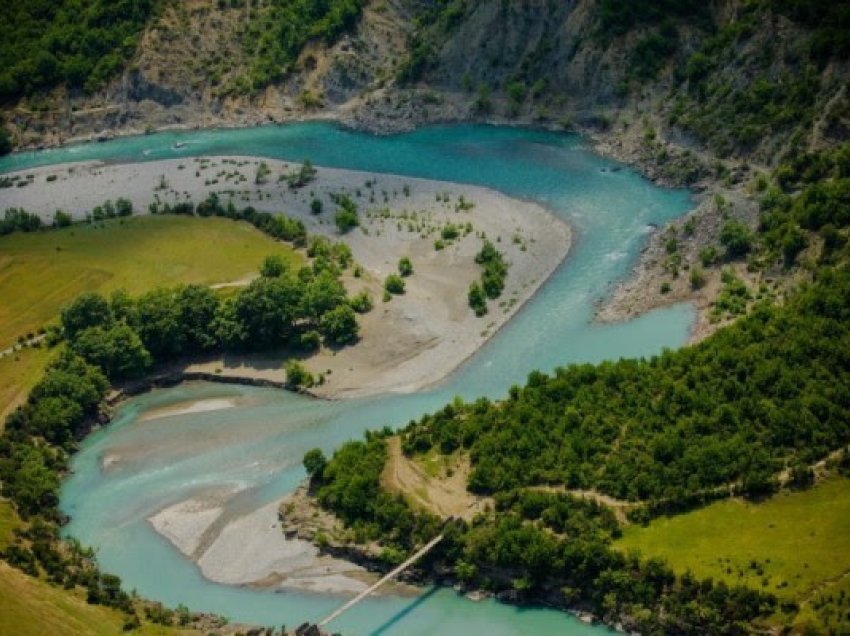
534,544
77,43
493,275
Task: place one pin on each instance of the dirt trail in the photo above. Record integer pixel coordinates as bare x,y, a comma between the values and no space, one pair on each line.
619,507
445,496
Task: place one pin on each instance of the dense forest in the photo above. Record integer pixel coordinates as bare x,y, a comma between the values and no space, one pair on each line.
280,30
77,43
81,44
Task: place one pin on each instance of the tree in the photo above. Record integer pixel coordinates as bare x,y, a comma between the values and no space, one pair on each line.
267,309
394,284
273,266
88,310
263,172
346,218
118,351
160,326
316,206
62,219
72,377
198,306
477,299
405,267
297,376
362,303
340,325
123,207
56,418
322,294
314,463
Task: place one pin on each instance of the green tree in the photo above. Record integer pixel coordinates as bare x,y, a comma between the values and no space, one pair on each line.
405,267
88,310
477,299
297,376
273,266
314,463
267,310
198,307
160,326
339,325
737,238
118,351
346,217
322,294
394,284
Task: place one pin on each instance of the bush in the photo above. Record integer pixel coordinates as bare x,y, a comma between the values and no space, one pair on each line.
123,207
310,340
316,206
362,303
405,267
62,219
697,278
737,238
273,266
346,217
297,376
314,463
477,299
394,284
340,325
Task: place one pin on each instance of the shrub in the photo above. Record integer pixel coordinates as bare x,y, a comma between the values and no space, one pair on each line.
737,238
697,278
62,219
477,299
340,325
394,284
273,267
310,340
314,463
405,267
297,376
362,303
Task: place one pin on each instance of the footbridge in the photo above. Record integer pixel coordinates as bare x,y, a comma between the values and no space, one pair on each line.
398,570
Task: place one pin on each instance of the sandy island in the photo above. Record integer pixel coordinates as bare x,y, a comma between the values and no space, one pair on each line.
407,344
251,549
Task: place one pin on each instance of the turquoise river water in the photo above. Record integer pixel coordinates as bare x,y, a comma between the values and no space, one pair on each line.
258,446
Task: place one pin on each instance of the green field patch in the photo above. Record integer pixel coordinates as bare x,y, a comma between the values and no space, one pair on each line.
788,545
43,271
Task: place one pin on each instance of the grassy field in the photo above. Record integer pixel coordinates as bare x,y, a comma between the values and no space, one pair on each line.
41,272
31,607
18,374
796,545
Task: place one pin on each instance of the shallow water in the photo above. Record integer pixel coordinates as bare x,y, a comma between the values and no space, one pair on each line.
259,446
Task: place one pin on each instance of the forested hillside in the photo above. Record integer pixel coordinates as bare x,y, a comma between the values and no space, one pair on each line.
752,80
746,412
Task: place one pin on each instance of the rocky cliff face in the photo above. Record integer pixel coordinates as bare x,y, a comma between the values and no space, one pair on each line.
731,79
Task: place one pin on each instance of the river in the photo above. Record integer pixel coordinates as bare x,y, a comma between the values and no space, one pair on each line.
258,446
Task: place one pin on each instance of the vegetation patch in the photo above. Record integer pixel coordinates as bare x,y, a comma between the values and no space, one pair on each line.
43,271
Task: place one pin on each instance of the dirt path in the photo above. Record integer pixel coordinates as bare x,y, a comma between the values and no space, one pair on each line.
445,495
619,507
